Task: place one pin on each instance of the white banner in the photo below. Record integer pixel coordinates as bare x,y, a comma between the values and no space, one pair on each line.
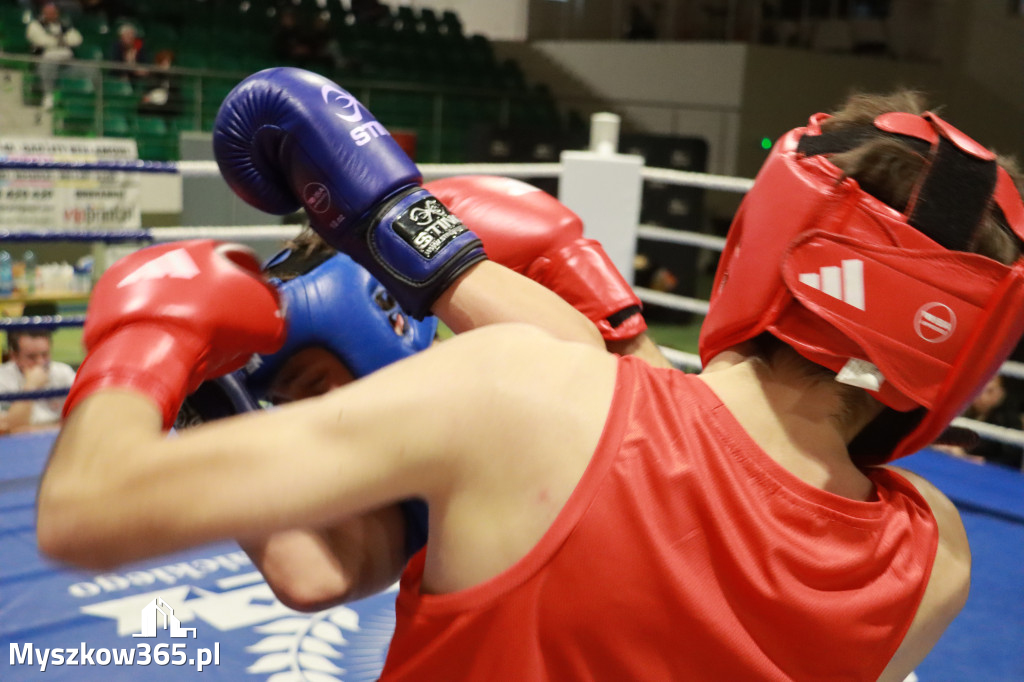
68,199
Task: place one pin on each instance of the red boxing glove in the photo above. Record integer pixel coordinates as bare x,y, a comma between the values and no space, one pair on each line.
166,318
531,232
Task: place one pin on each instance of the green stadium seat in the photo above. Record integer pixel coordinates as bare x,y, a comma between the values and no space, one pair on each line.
115,125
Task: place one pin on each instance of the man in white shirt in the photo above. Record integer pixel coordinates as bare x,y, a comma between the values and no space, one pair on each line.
53,39
30,369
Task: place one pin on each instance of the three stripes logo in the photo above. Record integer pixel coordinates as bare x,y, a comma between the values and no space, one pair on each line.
934,322
844,282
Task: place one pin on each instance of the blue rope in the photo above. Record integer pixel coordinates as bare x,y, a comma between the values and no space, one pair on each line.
44,394
109,236
17,323
128,166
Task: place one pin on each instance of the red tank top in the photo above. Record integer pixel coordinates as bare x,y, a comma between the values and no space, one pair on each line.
684,553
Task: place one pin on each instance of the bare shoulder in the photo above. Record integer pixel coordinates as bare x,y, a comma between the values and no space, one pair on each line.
951,529
948,585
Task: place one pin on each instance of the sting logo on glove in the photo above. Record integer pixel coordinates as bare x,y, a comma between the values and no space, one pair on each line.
427,226
352,112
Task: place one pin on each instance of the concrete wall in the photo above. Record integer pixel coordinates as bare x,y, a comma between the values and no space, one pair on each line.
670,88
505,20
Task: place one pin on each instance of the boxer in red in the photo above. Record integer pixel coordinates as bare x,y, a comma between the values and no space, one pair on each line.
591,517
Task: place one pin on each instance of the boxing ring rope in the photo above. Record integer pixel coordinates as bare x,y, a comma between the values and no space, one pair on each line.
682,359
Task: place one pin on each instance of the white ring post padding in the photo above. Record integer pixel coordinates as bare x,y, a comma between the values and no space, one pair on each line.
604,133
605,189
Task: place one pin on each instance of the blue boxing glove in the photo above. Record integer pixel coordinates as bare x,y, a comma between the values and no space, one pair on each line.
286,138
331,302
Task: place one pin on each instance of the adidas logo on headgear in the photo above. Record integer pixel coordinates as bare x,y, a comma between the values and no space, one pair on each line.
845,282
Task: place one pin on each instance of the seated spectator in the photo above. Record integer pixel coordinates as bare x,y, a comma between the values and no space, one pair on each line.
54,39
162,90
108,9
997,406
129,49
30,369
307,43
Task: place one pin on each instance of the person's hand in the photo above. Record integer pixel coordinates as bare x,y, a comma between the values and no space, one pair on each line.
36,377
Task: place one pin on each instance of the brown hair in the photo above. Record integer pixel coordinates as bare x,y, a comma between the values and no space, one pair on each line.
888,168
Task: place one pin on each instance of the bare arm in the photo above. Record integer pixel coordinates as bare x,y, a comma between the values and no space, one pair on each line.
493,294
312,568
405,431
947,588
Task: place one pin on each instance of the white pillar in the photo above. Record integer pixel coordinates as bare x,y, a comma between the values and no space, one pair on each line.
605,188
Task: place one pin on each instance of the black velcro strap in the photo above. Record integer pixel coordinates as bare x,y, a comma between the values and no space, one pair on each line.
298,262
845,139
618,318
954,196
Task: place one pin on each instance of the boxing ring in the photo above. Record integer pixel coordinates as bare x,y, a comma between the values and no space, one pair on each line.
228,621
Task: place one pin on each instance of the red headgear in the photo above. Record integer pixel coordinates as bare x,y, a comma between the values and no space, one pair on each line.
855,285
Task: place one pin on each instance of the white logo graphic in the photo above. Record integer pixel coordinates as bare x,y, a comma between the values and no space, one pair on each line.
176,264
935,322
845,283
340,644
350,106
151,613
317,197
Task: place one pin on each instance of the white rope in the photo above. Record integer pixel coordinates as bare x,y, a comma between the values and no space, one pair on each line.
681,359
429,170
204,169
511,170
1002,434
664,234
244,232
675,301
692,179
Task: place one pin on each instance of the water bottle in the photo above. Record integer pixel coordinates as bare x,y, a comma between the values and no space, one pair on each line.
6,274
30,272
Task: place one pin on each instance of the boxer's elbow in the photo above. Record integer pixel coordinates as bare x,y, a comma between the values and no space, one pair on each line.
83,524
66,532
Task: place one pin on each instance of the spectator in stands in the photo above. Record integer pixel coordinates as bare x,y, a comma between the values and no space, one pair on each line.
53,38
162,96
109,9
997,405
31,369
369,11
641,23
129,49
306,42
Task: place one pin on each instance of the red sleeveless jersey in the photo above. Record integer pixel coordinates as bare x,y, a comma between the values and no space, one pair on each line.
684,553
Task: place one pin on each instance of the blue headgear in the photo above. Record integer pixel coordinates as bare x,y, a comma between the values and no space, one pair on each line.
339,306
